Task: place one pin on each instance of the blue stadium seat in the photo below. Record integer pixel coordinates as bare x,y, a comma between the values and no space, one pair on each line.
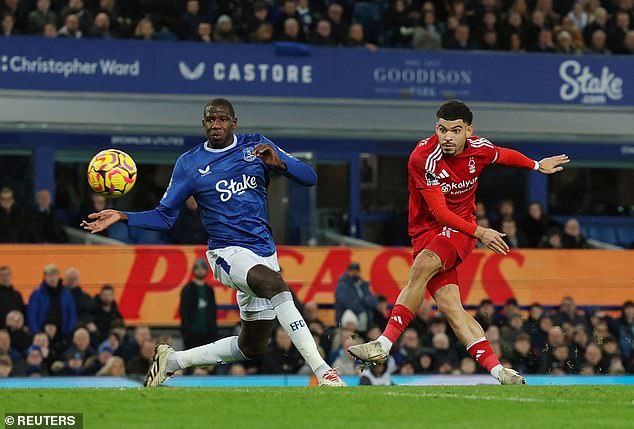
119,231
625,235
606,234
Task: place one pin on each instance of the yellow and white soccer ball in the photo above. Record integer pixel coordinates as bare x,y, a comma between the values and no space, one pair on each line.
112,173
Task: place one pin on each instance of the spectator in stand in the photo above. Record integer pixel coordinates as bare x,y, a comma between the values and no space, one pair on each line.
461,39
427,34
568,313
489,41
421,320
188,228
522,356
533,28
282,357
578,15
356,38
344,361
510,332
140,363
204,33
260,16
551,18
515,43
198,309
41,16
593,361
190,19
264,34
114,367
311,312
598,22
34,362
6,367
616,35
287,11
71,28
48,228
381,312
558,361
535,224
15,221
572,238
50,30
52,301
10,299
120,25
377,375
514,238
7,25
629,43
95,363
510,309
106,310
552,240
6,348
409,347
133,348
20,335
145,30
353,293
101,28
84,16
626,328
339,29
83,302
535,313
224,32
564,44
485,315
445,356
292,31
506,211
322,36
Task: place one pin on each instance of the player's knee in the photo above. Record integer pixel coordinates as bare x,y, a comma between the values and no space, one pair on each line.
426,265
266,283
449,308
253,351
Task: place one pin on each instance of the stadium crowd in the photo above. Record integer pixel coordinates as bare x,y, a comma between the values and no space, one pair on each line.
41,223
64,331
566,26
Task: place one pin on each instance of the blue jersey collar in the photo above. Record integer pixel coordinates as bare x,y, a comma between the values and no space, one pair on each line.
231,146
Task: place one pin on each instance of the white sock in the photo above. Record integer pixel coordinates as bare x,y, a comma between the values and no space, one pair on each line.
222,351
386,344
495,371
292,322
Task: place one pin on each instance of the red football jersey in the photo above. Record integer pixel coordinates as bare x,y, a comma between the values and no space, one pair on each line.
456,175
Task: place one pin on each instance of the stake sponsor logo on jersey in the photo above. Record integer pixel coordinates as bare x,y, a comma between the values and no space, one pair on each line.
229,188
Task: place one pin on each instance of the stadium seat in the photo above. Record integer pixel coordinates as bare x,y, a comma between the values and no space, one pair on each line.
606,234
625,236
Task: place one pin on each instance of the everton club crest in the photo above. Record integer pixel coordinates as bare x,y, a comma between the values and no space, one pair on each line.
247,154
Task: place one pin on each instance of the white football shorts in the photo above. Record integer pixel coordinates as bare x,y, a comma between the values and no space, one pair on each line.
230,266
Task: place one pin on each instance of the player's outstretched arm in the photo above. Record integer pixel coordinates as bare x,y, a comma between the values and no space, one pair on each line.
553,164
103,220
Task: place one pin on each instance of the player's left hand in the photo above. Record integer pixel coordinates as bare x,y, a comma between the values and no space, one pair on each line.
553,164
267,154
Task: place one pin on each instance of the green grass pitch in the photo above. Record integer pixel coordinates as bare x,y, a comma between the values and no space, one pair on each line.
472,407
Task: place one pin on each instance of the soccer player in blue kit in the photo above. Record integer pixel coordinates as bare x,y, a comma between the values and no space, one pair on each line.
228,175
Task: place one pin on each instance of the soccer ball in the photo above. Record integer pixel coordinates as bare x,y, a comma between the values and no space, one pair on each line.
112,173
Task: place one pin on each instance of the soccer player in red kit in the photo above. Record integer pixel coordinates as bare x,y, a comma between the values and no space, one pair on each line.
443,177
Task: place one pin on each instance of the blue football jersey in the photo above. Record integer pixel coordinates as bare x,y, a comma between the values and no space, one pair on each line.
230,187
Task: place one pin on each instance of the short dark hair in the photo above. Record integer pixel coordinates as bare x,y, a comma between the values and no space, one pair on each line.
221,102
107,287
453,110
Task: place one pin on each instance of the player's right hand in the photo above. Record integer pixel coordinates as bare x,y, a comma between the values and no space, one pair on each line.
102,220
493,240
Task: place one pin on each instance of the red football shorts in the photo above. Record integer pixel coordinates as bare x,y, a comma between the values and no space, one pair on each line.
452,247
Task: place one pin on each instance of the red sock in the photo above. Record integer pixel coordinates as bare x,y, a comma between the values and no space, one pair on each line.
399,319
484,354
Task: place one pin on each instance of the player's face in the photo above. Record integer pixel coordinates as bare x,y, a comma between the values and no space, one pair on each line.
219,125
452,135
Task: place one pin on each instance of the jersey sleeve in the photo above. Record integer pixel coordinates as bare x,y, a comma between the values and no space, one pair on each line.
179,188
513,158
423,178
296,170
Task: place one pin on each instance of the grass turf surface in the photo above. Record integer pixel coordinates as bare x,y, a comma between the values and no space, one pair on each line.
355,407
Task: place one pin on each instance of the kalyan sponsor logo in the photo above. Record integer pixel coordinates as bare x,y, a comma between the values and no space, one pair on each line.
580,83
230,188
458,188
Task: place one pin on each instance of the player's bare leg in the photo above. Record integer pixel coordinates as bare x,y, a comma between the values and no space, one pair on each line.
251,343
471,335
269,284
426,265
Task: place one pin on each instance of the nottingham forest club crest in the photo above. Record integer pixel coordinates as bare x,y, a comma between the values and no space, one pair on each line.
247,154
